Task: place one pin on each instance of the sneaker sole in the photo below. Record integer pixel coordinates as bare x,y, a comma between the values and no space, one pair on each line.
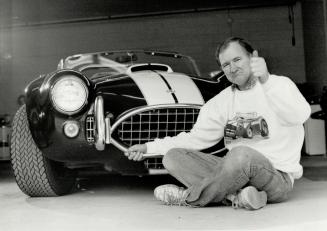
256,199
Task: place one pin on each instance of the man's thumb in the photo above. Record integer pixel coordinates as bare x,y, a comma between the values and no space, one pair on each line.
255,53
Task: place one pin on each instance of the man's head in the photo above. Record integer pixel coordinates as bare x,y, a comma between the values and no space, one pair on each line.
234,56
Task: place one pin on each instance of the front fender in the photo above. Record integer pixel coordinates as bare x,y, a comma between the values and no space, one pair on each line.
40,112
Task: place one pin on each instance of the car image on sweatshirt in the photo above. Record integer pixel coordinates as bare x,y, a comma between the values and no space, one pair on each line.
247,126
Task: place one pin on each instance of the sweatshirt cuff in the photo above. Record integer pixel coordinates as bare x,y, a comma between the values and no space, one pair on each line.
150,147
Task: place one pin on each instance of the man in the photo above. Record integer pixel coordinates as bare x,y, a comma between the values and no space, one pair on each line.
260,117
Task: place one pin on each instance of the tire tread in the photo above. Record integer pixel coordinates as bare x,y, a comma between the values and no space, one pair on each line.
27,159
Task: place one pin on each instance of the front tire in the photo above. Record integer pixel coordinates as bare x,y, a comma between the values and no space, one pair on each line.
36,175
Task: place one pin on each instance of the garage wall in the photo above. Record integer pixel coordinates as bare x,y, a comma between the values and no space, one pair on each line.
314,35
31,50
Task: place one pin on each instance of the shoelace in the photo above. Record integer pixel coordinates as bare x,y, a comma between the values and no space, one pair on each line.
236,200
235,203
172,199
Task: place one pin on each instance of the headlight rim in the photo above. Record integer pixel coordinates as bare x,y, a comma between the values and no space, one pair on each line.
82,83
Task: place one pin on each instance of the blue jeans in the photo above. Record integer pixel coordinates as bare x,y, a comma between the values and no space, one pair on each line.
210,178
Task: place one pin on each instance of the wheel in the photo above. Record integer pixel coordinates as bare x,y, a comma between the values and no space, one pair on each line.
249,132
264,128
35,174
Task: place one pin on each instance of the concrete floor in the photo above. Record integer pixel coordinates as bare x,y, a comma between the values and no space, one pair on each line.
127,203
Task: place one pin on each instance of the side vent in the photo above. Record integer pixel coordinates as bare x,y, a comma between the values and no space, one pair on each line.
89,129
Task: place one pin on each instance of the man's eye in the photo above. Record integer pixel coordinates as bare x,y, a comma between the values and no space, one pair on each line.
225,65
237,59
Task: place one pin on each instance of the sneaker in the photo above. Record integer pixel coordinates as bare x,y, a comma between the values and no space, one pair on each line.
248,198
171,194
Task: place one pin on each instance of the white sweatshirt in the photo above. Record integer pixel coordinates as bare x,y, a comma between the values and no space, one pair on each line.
278,102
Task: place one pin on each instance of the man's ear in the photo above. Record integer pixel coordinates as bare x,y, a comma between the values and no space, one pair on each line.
255,53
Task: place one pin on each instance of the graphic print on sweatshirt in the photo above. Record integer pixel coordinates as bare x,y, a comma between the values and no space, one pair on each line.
246,126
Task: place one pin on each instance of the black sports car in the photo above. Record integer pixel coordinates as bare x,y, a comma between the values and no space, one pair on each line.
96,105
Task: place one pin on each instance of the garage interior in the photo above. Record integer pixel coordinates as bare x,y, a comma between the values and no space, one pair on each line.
36,34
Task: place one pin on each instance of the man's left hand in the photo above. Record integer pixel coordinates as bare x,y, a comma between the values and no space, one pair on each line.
259,67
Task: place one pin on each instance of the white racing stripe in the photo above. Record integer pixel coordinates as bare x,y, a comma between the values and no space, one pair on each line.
153,87
184,88
156,91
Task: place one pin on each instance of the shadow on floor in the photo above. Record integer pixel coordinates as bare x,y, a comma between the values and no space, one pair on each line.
314,168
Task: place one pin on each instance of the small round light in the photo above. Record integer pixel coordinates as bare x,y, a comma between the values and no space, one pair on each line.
69,94
71,129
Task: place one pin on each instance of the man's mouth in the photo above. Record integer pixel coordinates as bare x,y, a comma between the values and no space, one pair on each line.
235,75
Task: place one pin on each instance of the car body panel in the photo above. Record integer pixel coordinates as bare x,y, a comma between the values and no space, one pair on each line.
124,86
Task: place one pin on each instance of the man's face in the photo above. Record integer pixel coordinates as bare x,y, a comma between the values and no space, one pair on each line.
235,62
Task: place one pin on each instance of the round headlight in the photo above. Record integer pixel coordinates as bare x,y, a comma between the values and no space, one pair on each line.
69,94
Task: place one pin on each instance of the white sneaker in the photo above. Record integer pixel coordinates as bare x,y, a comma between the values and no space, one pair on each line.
248,198
171,194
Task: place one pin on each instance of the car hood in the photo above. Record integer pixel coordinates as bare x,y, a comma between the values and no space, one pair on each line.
161,87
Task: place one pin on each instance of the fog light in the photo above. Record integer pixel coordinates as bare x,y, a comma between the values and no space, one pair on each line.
71,129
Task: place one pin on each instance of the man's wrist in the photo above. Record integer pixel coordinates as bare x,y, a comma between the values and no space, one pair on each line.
264,79
267,85
145,148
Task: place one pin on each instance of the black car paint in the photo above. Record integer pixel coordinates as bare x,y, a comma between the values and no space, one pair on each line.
41,114
46,124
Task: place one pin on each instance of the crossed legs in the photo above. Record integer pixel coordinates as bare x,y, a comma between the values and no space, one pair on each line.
210,178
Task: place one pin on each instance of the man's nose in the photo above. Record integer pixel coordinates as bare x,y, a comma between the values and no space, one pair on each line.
233,67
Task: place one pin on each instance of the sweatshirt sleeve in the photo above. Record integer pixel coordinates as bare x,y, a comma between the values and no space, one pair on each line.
286,100
206,132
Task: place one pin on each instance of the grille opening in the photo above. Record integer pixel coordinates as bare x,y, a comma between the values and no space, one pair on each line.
156,123
154,163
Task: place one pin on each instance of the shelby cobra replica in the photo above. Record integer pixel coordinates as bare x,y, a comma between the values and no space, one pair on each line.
96,105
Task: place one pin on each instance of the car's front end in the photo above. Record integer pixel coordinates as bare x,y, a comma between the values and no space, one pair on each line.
95,106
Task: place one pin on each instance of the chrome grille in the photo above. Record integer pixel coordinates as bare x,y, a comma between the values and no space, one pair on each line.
156,123
89,129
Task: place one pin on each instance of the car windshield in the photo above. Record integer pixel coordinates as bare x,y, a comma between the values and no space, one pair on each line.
96,65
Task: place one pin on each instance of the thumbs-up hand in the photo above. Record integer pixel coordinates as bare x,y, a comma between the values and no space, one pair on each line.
259,67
